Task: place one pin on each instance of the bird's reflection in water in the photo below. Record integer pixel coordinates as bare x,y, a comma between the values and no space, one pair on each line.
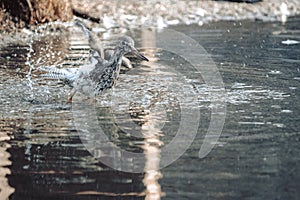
137,150
150,122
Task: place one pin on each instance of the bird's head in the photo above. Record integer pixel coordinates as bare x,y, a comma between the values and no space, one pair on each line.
126,43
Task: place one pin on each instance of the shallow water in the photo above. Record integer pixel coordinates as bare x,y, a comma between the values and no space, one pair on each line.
159,115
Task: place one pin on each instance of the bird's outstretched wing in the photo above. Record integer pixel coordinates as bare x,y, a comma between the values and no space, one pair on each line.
105,52
65,74
93,40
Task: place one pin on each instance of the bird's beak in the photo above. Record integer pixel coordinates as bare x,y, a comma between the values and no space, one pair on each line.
138,54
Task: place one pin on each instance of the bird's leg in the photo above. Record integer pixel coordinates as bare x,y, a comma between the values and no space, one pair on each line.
71,94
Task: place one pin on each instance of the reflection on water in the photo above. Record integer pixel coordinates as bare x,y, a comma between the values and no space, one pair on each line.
152,153
49,149
97,135
6,130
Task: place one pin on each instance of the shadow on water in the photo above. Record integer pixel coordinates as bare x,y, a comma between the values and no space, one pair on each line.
52,149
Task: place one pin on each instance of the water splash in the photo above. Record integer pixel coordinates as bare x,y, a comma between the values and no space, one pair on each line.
38,32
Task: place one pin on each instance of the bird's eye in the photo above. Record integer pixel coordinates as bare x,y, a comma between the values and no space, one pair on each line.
123,43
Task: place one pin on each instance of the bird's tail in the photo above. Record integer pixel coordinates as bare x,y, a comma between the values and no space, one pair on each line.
65,74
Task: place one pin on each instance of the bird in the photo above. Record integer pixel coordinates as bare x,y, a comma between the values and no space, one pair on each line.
105,73
100,75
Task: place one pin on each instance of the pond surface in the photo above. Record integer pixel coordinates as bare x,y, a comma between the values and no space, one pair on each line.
247,76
